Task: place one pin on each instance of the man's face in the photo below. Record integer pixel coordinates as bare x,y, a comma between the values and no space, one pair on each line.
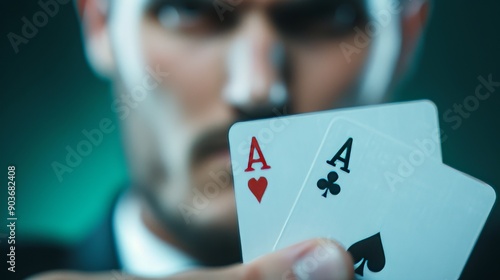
229,61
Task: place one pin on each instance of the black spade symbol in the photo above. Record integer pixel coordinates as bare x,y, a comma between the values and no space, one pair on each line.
371,252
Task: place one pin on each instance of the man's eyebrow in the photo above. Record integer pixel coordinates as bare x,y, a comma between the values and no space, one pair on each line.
157,2
299,6
202,5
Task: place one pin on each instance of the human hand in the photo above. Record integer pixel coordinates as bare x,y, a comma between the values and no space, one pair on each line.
316,259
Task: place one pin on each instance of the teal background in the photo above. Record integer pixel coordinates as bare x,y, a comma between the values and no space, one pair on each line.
49,95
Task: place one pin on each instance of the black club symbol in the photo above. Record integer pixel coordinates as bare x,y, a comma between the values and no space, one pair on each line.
330,184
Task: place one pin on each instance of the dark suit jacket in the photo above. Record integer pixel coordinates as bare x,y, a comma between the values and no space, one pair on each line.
96,253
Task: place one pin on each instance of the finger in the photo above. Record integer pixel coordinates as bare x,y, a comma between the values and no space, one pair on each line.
71,275
317,259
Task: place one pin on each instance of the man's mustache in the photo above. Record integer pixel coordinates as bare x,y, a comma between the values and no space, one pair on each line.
215,139
210,142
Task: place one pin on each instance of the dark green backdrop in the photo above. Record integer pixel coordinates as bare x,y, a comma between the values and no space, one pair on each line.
49,96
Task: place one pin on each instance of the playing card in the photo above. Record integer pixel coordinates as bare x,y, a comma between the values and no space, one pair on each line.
399,212
270,159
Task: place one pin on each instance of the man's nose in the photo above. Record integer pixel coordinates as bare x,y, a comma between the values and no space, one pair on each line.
255,62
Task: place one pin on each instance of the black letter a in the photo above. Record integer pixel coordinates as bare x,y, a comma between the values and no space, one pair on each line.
337,156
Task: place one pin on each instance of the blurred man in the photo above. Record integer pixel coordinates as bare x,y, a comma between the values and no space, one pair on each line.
185,70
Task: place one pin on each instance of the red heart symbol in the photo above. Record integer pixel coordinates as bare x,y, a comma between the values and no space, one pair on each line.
258,187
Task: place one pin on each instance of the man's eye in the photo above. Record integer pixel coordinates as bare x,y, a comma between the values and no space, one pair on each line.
322,21
191,17
187,19
345,17
338,22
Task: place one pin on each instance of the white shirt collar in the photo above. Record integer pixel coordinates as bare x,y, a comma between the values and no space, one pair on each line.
140,252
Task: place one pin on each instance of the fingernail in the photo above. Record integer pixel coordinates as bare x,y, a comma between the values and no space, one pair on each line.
325,261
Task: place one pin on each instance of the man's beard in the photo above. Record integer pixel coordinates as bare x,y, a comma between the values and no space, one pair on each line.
211,245
213,242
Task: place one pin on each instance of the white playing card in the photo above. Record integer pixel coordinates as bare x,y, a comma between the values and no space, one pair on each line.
401,214
289,144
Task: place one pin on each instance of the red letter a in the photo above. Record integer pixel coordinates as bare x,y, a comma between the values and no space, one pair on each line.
255,146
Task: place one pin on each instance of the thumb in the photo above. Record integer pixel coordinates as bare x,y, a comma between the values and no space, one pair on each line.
317,259
314,259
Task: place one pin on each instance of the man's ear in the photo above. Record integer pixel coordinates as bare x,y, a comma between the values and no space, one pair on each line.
94,22
414,20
